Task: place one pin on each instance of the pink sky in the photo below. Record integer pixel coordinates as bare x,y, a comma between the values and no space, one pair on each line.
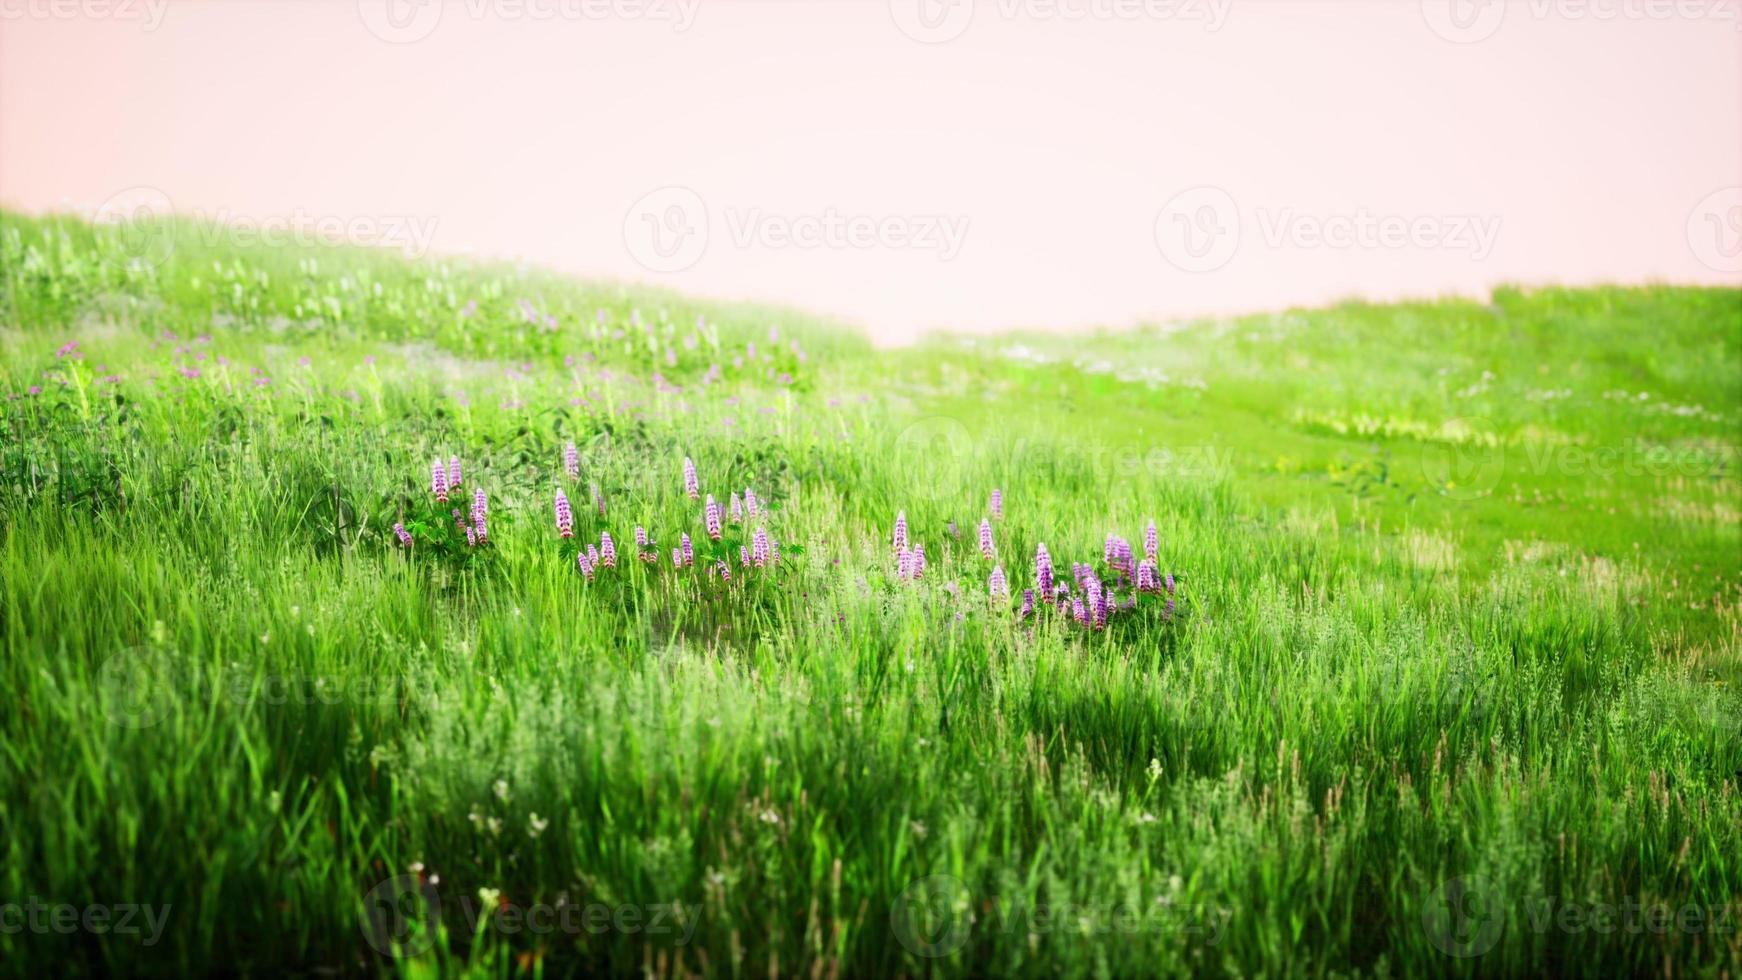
975,167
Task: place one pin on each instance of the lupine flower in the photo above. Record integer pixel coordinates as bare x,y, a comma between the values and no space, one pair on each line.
585,563
918,560
689,554
1027,604
1043,570
712,516
599,500
743,556
565,518
640,536
1151,542
953,530
677,557
996,586
593,555
899,539
752,506
1097,604
1078,612
404,536
1146,581
986,550
903,564
737,510
761,551
480,510
607,550
690,485
572,461
453,473
648,557
471,538
723,570
996,504
438,481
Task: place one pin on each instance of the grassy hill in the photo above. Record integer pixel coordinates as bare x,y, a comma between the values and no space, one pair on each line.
1443,676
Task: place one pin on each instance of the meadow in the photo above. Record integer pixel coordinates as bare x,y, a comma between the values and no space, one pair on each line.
1429,666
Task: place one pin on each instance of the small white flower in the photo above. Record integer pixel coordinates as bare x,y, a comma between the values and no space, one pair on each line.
494,825
501,788
769,816
489,897
535,826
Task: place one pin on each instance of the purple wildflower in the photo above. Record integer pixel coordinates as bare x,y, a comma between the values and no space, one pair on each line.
689,554
743,556
737,510
1027,604
1151,542
453,473
471,538
997,587
677,558
1146,580
899,539
585,563
572,461
996,504
480,509
640,536
690,485
607,550
986,550
752,506
593,555
1078,612
404,536
761,550
918,560
723,570
903,564
712,516
565,518
438,481
1043,570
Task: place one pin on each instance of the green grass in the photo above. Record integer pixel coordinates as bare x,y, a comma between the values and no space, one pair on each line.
1460,606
